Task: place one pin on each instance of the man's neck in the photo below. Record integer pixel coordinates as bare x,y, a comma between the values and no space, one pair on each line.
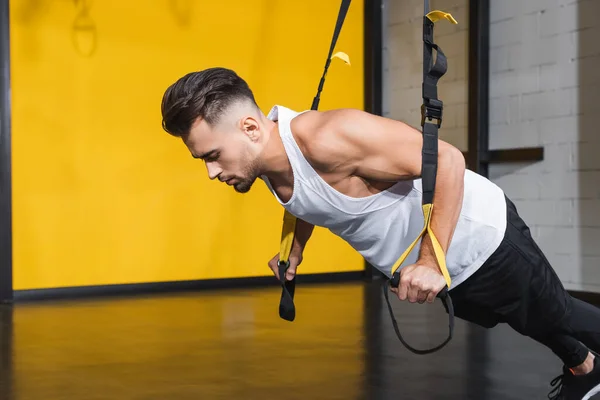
274,161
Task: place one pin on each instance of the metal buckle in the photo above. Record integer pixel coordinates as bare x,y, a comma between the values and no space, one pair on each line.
432,109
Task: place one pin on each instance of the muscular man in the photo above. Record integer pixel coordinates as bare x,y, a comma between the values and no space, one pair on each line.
358,175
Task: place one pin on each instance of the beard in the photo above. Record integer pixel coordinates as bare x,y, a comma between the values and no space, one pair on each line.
244,185
251,173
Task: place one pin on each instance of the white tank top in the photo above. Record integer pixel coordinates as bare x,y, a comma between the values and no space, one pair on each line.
381,226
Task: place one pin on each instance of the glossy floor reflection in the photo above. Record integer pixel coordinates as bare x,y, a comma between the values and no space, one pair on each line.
231,344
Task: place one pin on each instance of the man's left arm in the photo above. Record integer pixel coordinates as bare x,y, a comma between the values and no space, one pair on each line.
386,150
447,204
447,200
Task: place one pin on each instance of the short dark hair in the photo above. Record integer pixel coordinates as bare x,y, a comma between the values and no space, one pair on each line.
204,94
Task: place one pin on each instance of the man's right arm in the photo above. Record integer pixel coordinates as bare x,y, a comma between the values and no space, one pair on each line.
304,231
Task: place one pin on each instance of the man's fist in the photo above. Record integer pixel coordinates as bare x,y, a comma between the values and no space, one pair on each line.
295,260
420,283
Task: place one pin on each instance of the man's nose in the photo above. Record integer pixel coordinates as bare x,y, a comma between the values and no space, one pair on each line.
213,170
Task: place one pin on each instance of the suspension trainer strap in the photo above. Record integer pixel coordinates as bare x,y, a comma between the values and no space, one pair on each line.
336,33
431,121
287,309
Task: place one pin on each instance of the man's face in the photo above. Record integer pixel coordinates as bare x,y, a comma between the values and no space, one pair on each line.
229,151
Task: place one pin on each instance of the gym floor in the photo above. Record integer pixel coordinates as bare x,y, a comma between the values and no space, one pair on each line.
231,344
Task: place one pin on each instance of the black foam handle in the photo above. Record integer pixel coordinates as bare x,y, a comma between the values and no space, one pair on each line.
395,282
287,309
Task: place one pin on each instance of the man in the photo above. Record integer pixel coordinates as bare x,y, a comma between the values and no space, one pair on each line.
357,174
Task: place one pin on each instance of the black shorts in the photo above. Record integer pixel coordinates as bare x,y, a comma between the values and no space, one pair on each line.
516,285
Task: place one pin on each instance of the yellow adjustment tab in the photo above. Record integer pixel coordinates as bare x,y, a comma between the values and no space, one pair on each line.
401,259
342,56
436,15
437,248
287,236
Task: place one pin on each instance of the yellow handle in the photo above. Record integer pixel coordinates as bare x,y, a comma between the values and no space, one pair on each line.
437,248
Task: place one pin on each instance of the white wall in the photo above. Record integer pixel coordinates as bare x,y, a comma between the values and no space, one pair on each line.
545,87
544,91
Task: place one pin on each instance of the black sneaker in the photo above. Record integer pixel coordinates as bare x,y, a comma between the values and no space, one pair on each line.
576,387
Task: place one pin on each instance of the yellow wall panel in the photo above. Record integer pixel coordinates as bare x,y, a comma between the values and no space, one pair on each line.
101,195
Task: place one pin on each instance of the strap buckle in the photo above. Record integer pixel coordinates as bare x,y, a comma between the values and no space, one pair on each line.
431,110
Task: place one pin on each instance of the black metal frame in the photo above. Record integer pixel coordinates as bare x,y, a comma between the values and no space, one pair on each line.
373,103
6,286
479,157
479,59
373,71
373,57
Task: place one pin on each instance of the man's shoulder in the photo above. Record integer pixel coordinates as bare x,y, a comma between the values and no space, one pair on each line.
319,134
313,126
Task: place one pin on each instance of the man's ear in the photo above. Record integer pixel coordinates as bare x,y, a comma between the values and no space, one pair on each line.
251,128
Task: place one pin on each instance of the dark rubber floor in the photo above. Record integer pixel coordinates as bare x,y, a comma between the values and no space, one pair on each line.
231,344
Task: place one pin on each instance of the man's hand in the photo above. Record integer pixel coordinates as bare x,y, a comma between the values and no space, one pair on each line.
295,260
304,231
419,283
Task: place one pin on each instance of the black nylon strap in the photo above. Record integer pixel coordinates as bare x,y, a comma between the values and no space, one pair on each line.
432,106
446,300
336,33
287,309
431,110
431,121
429,161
